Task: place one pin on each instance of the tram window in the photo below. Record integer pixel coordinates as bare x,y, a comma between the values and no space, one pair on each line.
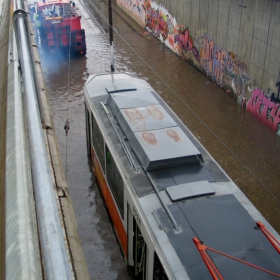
115,180
98,142
88,134
92,128
159,273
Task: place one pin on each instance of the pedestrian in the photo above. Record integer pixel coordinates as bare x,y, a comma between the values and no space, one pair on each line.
37,26
32,12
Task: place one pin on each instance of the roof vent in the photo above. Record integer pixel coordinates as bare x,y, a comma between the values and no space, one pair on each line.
190,190
154,136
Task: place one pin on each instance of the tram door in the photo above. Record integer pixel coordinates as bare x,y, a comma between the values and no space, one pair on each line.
139,246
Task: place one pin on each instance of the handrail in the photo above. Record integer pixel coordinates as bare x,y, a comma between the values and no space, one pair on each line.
122,141
53,249
21,227
177,228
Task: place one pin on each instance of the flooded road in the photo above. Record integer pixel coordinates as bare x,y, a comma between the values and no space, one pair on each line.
246,149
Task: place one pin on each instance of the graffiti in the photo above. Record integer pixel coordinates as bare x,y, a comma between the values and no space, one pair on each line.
170,25
207,55
138,6
238,85
151,18
158,23
230,64
134,7
233,66
156,19
219,65
185,42
241,65
261,106
272,96
239,78
213,60
163,26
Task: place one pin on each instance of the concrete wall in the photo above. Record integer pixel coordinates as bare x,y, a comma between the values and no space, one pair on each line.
236,43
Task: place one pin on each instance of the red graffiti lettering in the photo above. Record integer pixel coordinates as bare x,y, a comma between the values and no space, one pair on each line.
264,109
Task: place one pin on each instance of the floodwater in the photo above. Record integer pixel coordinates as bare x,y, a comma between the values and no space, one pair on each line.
246,149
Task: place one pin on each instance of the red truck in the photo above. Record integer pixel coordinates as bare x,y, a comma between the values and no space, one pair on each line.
59,27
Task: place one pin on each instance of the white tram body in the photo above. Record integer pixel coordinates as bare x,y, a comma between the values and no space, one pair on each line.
162,188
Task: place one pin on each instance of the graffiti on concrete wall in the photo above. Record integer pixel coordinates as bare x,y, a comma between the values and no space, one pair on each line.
274,97
156,19
265,109
136,8
163,26
238,84
213,60
158,23
222,66
185,43
237,73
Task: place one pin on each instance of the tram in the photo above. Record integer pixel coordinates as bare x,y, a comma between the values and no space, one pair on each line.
176,213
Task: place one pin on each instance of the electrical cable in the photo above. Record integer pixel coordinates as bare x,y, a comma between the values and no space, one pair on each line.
67,126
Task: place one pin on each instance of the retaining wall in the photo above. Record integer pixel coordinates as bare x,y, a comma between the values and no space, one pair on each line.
236,43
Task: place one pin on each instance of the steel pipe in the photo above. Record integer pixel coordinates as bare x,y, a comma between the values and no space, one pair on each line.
22,245
55,258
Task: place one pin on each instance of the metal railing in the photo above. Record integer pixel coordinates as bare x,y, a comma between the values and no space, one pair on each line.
22,245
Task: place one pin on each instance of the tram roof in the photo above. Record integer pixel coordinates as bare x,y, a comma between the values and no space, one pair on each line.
156,139
176,158
221,222
204,202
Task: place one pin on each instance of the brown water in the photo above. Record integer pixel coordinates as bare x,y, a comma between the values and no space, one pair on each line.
246,149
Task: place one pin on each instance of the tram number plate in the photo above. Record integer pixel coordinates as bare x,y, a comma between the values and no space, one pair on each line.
136,215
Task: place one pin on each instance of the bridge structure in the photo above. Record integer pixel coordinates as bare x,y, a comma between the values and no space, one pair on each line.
39,238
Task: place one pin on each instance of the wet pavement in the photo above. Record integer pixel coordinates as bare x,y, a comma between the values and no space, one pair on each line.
246,149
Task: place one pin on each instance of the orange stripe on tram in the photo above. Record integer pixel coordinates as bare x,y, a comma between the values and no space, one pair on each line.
110,204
